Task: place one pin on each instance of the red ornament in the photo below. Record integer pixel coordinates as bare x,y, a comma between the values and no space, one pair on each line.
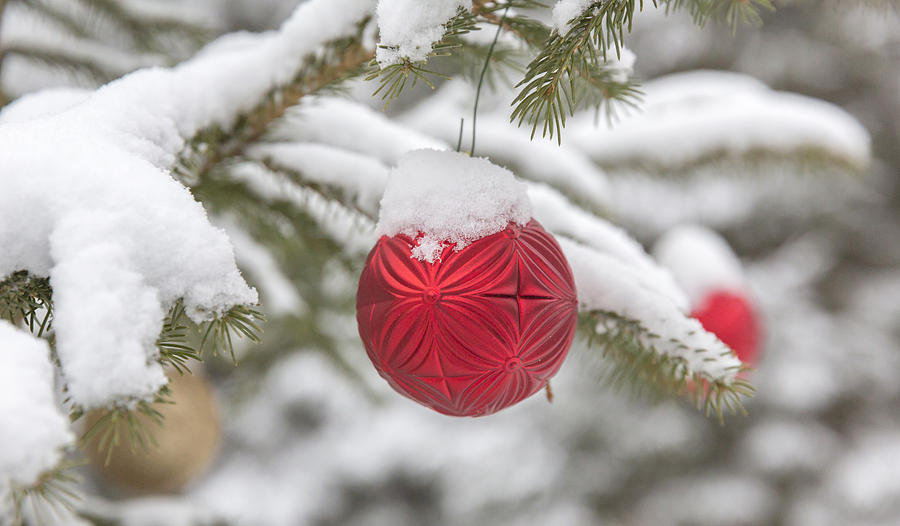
731,317
479,330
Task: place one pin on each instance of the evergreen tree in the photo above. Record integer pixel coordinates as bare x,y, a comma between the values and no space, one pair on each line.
128,209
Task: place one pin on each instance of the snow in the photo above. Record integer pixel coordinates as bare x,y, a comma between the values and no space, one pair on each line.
560,216
350,229
34,431
621,66
120,239
713,499
607,284
408,28
566,10
701,261
564,167
277,293
866,477
352,126
688,117
43,104
451,199
359,177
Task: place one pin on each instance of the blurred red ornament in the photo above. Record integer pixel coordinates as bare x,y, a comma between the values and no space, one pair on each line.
477,331
731,317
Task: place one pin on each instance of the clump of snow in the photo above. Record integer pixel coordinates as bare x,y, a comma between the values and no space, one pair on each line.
120,239
408,28
561,166
607,284
566,10
34,432
451,199
701,261
688,117
42,104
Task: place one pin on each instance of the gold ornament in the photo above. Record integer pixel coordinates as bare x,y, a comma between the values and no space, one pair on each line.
186,442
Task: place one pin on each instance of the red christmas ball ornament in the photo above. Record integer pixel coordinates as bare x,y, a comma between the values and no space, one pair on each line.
476,331
732,318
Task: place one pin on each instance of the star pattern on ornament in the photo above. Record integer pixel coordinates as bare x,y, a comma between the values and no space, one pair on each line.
476,331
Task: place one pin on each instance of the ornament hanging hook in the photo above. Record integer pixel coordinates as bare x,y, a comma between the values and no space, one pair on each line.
487,62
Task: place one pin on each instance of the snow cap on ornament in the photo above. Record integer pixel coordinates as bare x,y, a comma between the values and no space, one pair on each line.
712,276
466,304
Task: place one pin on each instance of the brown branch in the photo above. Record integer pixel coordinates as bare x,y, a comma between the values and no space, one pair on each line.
260,118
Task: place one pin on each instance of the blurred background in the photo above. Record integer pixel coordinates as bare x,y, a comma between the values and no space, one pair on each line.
304,432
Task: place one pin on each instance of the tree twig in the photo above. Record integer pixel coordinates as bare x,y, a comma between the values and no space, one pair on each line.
260,118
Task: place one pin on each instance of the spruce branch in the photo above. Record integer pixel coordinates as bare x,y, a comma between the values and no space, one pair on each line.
61,17
207,150
732,12
329,192
52,496
569,70
110,427
393,78
27,299
240,321
631,361
62,59
532,32
145,31
174,342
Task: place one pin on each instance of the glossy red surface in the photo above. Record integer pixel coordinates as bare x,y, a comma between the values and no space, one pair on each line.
477,331
731,317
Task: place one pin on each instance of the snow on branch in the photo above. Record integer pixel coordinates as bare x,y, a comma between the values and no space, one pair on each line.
409,28
34,432
561,217
650,336
352,126
120,239
693,118
358,179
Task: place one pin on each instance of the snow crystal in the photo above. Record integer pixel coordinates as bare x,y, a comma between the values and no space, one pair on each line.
451,199
34,431
605,283
566,10
408,28
689,116
701,261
